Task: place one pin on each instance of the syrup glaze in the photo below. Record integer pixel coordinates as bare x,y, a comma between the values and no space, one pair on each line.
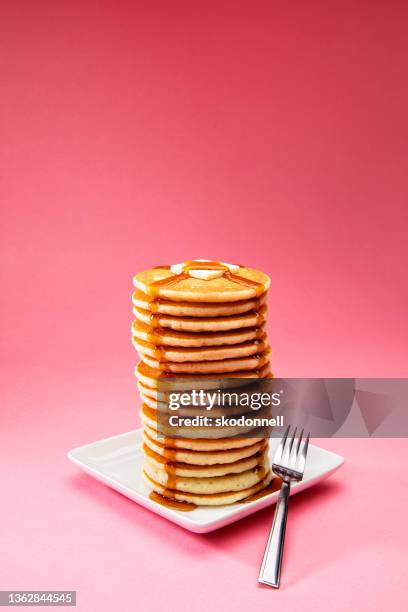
170,502
156,332
204,265
272,487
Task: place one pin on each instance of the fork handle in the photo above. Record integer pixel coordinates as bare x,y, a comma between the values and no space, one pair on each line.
272,561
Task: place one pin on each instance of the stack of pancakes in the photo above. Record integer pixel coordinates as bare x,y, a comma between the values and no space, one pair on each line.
197,322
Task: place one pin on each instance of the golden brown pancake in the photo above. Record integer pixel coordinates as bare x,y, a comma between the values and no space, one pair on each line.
201,455
161,464
242,284
167,337
253,362
195,309
214,353
200,444
207,485
217,499
203,324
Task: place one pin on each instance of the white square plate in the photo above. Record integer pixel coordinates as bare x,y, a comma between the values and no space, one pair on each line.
117,462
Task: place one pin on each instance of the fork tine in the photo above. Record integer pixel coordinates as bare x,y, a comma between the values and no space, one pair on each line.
292,439
303,454
279,450
294,455
299,441
292,449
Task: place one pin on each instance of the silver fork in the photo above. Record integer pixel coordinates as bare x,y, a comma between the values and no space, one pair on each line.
288,463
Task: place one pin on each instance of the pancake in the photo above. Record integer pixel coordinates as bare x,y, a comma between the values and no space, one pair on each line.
167,337
202,324
147,392
200,444
150,377
231,286
253,362
194,309
178,355
217,499
201,471
208,485
201,457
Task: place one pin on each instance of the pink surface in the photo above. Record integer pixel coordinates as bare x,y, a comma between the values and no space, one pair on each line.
135,134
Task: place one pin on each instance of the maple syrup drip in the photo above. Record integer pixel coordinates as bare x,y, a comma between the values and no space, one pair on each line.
260,333
168,459
170,449
272,487
169,467
154,306
260,342
241,280
150,453
155,320
172,480
169,280
159,354
261,317
170,502
153,302
155,334
163,367
161,267
150,412
246,282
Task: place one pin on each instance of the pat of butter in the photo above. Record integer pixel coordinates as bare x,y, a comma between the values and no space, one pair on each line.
177,268
206,274
231,267
203,274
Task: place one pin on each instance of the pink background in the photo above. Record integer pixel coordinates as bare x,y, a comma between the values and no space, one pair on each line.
140,133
